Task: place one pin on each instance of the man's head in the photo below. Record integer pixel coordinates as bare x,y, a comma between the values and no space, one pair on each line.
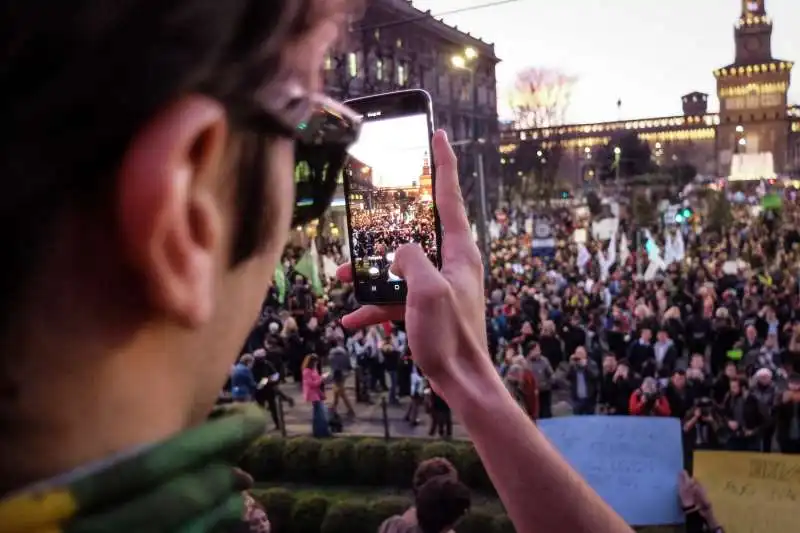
431,468
662,335
535,351
678,379
609,363
148,194
646,334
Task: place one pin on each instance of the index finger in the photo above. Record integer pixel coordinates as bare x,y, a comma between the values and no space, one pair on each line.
449,201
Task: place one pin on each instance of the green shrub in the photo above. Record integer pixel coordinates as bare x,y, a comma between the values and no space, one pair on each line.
471,470
300,459
371,462
388,506
403,460
264,459
445,450
336,461
308,514
349,516
477,520
278,504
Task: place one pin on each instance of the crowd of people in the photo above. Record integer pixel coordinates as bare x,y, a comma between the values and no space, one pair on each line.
379,232
714,340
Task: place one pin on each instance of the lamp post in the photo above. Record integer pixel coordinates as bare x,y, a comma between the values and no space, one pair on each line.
617,159
466,62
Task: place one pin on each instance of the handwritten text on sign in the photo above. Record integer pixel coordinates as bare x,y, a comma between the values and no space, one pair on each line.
632,462
751,492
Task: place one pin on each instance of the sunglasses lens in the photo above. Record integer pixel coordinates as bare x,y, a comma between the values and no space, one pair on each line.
320,155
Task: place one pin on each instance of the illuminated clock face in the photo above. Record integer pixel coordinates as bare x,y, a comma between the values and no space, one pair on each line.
752,7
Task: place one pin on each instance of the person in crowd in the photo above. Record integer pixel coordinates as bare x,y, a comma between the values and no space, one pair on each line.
787,417
243,384
544,376
647,400
616,386
436,468
294,347
268,389
314,393
550,344
530,387
722,384
742,416
641,354
514,381
340,366
417,397
702,424
678,395
583,379
764,392
391,365
441,416
665,355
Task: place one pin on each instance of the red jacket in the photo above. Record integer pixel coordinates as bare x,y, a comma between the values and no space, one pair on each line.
636,406
530,388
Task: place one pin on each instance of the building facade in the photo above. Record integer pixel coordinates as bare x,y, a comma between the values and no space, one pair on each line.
396,46
756,134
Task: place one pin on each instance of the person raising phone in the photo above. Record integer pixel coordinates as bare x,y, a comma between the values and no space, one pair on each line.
148,162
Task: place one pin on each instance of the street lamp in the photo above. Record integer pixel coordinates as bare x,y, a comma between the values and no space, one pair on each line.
617,158
466,61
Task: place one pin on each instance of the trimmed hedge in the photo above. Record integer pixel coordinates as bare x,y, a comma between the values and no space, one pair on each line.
357,462
309,512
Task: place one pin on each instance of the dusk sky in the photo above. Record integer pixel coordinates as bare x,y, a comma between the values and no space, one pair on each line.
648,53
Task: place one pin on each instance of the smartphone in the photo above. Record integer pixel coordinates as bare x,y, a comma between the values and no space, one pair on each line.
389,185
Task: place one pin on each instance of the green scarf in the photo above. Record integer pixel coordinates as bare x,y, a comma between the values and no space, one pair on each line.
186,484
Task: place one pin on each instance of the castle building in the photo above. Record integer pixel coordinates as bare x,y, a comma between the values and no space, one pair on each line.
755,134
426,181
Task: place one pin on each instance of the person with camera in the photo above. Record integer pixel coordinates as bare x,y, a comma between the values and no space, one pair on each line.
647,400
616,386
584,380
700,429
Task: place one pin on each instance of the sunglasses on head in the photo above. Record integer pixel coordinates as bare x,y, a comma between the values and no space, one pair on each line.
323,130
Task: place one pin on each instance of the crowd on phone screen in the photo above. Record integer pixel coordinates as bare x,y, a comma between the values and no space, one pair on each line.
382,230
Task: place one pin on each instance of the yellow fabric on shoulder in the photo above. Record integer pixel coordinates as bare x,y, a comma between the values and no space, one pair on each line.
42,512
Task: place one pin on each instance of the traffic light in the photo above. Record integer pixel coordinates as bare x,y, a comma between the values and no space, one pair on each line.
684,214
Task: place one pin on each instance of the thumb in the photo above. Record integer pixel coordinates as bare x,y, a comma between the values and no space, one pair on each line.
411,264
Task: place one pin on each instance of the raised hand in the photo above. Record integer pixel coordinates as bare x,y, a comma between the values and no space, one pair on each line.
444,311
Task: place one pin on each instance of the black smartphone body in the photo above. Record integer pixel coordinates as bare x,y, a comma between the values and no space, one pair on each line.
389,186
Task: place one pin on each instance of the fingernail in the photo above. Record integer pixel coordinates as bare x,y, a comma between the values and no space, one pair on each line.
444,134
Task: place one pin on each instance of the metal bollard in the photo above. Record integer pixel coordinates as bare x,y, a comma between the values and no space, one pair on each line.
281,421
385,410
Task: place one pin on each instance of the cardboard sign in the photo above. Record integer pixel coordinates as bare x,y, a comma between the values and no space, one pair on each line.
752,492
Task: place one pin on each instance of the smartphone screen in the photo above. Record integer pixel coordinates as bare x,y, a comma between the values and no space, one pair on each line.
389,189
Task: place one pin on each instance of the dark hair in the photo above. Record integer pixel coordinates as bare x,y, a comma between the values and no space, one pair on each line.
80,78
440,503
431,468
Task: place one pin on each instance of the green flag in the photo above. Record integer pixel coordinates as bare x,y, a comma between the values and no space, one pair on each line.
308,266
280,282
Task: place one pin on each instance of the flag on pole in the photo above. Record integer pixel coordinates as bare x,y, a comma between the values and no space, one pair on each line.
624,249
280,283
308,266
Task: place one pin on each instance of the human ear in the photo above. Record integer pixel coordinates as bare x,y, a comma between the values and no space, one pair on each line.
170,208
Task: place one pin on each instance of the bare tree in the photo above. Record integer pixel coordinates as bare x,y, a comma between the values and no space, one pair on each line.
539,98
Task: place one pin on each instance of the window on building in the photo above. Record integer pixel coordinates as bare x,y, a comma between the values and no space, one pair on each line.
399,43
328,62
379,70
352,64
377,35
402,75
